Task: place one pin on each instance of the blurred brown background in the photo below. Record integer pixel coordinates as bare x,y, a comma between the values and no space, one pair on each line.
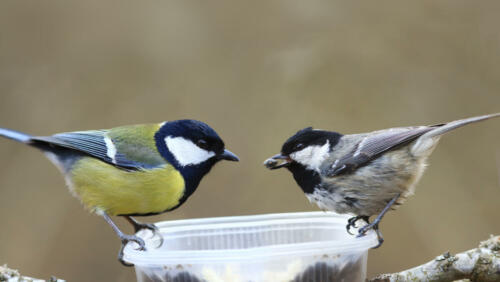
256,72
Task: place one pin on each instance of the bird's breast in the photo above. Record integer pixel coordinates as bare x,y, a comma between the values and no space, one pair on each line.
120,192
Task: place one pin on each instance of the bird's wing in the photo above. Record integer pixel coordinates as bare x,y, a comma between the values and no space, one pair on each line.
101,145
372,146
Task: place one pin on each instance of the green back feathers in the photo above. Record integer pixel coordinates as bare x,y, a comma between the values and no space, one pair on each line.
129,147
137,143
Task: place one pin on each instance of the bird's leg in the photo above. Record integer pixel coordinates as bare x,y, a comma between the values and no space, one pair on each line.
379,237
351,222
149,226
139,226
374,224
124,238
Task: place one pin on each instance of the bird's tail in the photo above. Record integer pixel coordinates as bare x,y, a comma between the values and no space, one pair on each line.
425,144
456,124
15,135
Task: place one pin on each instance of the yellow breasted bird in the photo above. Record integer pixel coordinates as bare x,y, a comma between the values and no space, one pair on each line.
132,170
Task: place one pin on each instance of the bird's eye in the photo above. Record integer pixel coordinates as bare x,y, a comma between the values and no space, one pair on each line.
299,146
202,144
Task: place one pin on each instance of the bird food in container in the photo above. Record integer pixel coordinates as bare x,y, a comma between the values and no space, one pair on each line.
312,246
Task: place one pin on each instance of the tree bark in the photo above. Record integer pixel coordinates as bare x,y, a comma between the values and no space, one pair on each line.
8,274
480,264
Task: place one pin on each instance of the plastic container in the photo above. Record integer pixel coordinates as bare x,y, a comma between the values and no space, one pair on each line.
311,246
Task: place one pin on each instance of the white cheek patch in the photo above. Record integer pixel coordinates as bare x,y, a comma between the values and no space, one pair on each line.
312,156
186,152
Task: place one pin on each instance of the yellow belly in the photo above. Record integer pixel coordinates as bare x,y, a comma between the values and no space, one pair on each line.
101,186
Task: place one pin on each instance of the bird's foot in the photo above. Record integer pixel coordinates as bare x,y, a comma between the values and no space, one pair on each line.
374,225
351,222
380,238
146,226
156,232
132,238
125,240
362,231
149,226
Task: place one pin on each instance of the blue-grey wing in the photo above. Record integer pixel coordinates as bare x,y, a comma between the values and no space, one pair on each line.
94,143
371,146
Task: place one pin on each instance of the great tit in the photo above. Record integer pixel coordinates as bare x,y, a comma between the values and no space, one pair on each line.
132,170
361,174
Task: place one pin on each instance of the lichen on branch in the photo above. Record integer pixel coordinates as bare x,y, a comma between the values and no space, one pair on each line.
480,264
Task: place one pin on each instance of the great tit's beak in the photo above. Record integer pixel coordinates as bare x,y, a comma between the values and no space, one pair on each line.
229,156
273,162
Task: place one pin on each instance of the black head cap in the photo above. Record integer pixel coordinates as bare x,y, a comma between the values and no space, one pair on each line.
196,131
307,137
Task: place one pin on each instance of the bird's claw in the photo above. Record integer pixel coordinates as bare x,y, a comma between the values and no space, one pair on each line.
130,238
138,226
380,240
148,226
374,225
151,227
120,257
351,222
362,231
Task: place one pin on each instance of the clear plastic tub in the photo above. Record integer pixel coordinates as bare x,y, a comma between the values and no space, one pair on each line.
311,246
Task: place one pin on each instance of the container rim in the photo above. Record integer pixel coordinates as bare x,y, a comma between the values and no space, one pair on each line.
323,220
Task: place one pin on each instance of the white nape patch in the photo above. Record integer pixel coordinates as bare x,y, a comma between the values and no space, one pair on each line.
312,156
111,149
186,152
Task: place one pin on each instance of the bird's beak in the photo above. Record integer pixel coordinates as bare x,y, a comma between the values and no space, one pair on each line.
229,156
273,162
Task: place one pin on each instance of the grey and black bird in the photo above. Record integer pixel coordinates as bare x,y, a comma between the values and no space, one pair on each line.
362,174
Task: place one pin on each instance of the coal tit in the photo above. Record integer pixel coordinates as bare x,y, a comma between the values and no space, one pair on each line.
361,174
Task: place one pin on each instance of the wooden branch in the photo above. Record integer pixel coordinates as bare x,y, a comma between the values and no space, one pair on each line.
12,275
480,264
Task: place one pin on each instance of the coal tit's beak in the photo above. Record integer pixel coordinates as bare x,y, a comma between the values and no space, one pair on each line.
274,161
229,156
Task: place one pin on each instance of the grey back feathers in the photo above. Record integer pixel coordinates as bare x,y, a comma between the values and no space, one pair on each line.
363,148
360,149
